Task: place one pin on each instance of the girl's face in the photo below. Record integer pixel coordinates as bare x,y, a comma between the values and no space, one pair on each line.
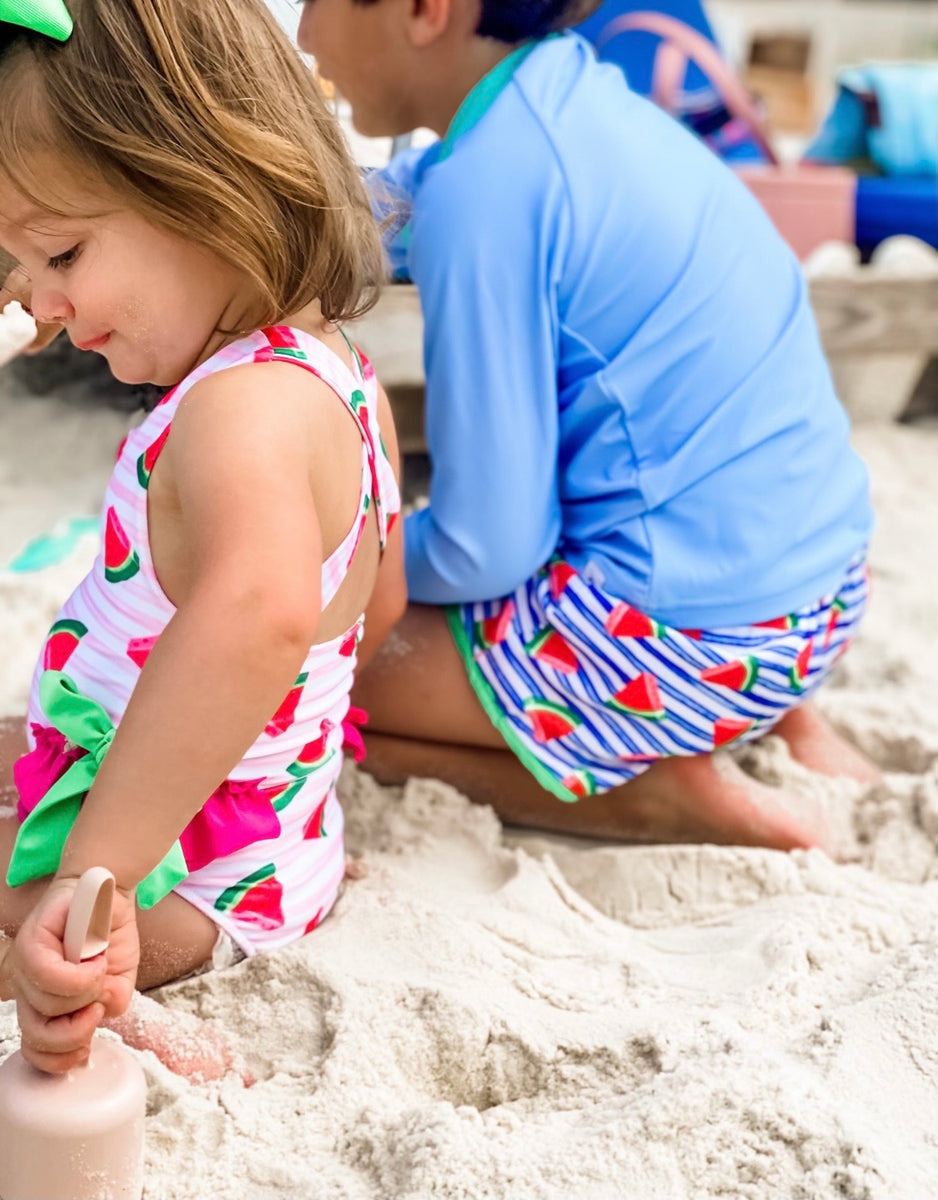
150,302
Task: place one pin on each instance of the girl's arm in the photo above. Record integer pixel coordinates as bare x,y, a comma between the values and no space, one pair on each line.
239,462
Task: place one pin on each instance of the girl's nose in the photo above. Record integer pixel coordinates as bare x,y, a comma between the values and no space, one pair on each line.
50,305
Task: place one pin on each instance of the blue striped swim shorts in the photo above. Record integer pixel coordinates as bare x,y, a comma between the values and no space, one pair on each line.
588,692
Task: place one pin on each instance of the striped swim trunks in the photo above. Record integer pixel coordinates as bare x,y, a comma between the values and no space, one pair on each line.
589,692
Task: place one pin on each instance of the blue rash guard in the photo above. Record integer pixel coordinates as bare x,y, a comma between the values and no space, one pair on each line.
622,363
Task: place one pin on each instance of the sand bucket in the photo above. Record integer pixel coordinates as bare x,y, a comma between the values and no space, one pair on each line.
78,1135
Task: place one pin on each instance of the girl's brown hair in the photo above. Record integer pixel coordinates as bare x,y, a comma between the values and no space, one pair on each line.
201,116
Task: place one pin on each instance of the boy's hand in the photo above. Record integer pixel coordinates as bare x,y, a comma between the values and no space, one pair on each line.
60,1004
15,286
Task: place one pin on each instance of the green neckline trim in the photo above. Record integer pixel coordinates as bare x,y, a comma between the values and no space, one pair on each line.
484,95
495,712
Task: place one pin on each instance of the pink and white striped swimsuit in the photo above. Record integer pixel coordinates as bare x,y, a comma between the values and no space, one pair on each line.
265,854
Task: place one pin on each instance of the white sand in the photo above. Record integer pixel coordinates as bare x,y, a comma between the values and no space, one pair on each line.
487,1015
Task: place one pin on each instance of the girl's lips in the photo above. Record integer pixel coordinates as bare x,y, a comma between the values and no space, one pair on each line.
94,344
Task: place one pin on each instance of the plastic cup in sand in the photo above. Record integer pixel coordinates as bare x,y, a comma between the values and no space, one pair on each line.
78,1135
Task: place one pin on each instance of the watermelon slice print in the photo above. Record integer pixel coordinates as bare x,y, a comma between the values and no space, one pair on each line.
314,923
147,460
550,720
790,621
138,649
120,558
255,899
493,630
726,730
359,405
315,827
281,796
625,621
560,575
351,640
314,754
696,634
837,607
285,715
283,342
800,667
740,674
367,370
552,648
580,783
61,641
639,698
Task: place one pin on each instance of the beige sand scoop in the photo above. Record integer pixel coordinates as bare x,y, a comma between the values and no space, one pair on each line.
77,1136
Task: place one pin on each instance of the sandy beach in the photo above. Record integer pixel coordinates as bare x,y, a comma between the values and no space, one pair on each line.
491,1014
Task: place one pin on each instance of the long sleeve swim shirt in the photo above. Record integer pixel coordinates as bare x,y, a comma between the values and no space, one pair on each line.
621,360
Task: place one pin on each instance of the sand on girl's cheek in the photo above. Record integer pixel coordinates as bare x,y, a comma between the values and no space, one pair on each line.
489,1015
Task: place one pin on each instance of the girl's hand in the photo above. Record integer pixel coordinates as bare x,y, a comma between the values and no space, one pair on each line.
60,1004
15,286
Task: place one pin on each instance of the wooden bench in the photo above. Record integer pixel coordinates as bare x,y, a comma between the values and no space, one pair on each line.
878,333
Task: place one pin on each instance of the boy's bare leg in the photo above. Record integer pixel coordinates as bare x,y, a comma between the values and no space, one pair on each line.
425,720
700,799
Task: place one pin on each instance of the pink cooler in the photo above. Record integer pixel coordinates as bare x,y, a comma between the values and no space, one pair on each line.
808,205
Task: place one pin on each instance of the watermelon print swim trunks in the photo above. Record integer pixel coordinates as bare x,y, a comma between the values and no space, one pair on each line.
588,692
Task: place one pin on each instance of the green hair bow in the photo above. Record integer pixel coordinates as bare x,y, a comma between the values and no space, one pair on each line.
49,17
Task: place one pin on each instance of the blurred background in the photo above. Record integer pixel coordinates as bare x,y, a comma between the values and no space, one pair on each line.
788,52
828,110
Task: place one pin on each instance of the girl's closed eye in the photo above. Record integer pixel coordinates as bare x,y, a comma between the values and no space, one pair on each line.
65,259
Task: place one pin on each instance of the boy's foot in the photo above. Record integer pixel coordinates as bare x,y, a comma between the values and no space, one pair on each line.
708,798
815,744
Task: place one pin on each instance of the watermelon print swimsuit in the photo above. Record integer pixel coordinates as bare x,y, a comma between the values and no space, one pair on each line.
589,692
264,857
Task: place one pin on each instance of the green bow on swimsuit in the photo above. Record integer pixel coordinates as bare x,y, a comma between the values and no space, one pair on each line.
49,17
41,838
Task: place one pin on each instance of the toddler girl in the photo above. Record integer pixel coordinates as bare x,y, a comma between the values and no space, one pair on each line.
183,204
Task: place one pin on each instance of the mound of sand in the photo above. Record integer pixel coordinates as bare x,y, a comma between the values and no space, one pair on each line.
489,1014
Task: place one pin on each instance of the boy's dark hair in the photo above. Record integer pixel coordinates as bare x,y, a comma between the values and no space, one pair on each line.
518,20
